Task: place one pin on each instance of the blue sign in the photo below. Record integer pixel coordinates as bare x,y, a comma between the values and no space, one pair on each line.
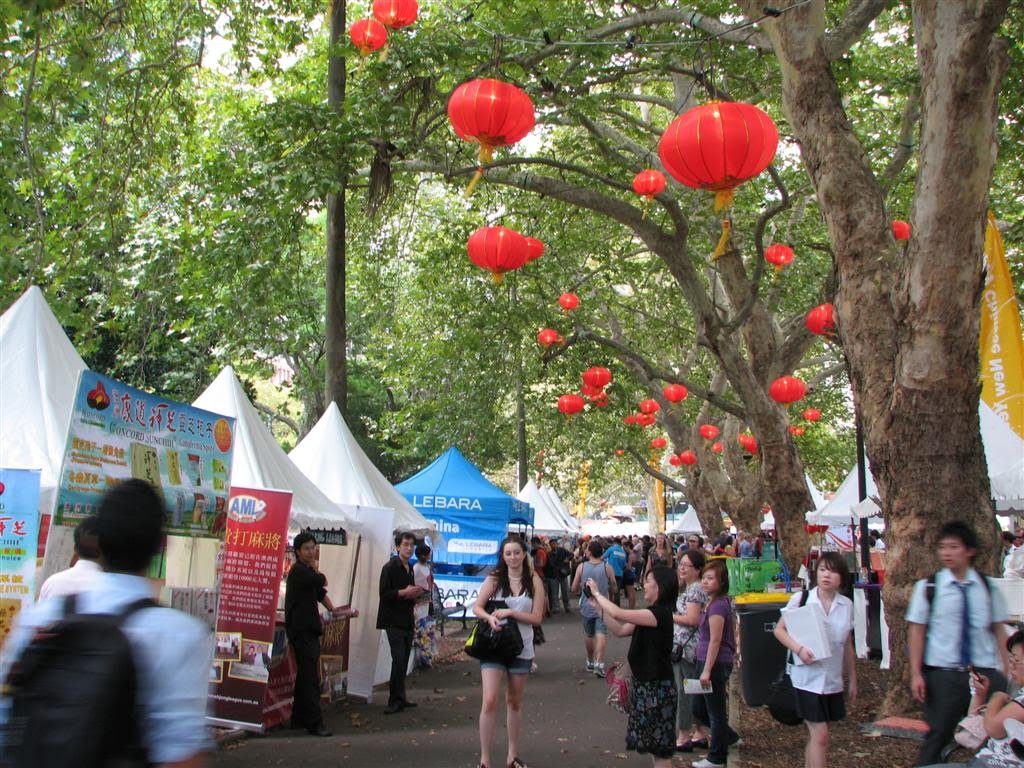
466,538
19,536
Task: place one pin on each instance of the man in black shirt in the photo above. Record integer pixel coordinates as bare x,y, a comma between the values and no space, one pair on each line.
306,587
398,594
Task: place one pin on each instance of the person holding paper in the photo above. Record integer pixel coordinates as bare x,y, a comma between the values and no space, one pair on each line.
826,622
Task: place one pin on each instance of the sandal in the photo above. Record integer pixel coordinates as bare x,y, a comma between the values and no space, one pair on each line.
517,763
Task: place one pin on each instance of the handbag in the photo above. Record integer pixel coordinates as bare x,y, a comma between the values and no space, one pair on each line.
970,732
487,644
619,678
782,701
538,635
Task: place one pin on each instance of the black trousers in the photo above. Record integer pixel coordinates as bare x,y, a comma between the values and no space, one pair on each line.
400,641
712,710
306,704
947,697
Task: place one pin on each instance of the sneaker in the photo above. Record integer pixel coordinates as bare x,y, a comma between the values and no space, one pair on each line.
599,669
590,665
705,763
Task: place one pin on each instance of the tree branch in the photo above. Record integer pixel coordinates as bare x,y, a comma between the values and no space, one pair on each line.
858,18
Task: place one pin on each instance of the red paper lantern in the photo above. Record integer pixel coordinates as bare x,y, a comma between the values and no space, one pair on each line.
535,249
629,421
901,229
709,431
796,431
368,35
812,414
597,377
570,404
658,443
787,389
395,14
568,301
588,391
649,183
718,146
779,255
716,447
675,460
748,442
650,406
645,419
491,113
821,320
600,401
548,336
689,458
675,393
620,452
497,249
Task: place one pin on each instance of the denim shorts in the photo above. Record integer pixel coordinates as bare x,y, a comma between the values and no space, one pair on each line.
515,667
594,625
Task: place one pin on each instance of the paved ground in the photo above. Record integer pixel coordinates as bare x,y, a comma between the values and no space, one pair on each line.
566,722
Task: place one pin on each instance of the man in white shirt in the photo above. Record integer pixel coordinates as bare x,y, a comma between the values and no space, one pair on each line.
81,576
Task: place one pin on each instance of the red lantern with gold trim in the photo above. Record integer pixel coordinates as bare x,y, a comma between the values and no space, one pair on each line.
675,460
498,250
368,35
821,320
779,255
570,404
718,146
787,389
709,431
535,249
689,458
568,301
658,443
597,377
650,406
548,336
395,14
748,442
812,414
645,419
675,393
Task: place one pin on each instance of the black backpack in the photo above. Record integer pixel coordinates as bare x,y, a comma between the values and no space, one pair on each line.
72,693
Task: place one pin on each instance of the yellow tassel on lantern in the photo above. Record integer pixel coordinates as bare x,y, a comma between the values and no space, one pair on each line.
723,241
486,155
646,206
723,199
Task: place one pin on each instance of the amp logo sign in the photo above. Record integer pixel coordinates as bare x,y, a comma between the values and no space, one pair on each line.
246,509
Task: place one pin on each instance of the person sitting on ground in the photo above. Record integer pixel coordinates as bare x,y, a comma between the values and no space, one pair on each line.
85,569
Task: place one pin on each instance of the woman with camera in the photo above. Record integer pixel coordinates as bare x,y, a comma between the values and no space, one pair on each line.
514,583
651,728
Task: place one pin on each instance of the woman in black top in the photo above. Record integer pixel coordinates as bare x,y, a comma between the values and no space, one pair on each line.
652,712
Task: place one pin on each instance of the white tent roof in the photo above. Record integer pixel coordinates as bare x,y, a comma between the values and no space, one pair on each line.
546,519
331,458
688,523
259,462
555,501
39,371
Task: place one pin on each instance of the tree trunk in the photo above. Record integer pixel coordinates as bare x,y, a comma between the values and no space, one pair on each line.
336,332
909,320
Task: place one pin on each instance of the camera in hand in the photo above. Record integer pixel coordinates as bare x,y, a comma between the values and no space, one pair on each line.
588,592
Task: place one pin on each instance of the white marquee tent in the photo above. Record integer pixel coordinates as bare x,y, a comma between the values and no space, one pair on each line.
547,519
555,501
688,523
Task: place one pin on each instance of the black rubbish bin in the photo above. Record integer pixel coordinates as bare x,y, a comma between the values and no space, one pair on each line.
762,657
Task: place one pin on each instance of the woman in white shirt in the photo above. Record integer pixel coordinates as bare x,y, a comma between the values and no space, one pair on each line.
818,683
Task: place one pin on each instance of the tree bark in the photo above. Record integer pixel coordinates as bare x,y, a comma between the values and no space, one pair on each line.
336,332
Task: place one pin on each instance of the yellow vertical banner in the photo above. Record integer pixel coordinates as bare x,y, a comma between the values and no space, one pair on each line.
1002,348
659,502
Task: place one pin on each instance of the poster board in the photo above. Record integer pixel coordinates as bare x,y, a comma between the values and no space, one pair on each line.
19,532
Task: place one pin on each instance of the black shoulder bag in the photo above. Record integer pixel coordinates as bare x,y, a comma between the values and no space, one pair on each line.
500,645
782,700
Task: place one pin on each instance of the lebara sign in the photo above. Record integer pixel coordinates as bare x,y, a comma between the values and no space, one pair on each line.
467,535
447,502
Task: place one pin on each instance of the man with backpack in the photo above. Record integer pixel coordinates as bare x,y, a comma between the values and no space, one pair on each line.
559,570
108,677
954,629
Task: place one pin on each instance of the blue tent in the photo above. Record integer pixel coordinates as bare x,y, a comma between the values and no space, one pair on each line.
471,513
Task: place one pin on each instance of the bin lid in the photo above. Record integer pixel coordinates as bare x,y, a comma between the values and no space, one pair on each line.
749,598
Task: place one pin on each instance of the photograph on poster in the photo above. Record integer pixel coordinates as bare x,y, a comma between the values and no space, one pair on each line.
229,646
217,672
255,661
333,678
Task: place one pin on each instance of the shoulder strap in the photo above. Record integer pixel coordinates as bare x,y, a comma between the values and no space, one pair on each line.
804,594
135,607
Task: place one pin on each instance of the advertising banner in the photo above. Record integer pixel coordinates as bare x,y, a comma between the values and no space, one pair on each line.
254,548
19,532
458,590
119,432
468,537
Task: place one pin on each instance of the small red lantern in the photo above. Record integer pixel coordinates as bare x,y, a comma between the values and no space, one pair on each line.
675,393
600,401
779,255
649,183
645,419
901,229
368,35
748,442
787,389
718,146
597,377
650,406
395,14
629,421
620,452
812,414
534,249
570,404
658,443
588,391
498,250
821,320
675,460
716,447
796,431
709,431
689,458
491,113
568,301
548,336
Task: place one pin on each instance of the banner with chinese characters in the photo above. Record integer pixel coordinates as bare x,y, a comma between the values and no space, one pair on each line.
254,548
119,432
19,532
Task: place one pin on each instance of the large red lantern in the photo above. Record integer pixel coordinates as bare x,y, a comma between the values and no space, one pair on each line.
548,336
650,406
821,320
675,460
535,249
570,404
689,458
718,146
597,377
395,14
709,431
491,113
368,35
779,255
787,389
812,414
568,301
749,443
901,230
675,393
497,249
658,443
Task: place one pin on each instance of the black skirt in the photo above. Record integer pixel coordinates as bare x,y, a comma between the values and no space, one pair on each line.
820,707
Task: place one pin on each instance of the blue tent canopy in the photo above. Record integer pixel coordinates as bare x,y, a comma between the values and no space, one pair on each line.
471,512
